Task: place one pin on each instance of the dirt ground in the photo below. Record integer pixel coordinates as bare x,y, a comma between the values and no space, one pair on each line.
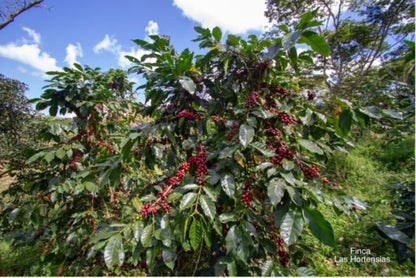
5,180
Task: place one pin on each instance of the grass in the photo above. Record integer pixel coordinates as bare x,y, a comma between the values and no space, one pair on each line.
363,174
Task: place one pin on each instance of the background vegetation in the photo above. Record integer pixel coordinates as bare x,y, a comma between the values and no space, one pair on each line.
252,159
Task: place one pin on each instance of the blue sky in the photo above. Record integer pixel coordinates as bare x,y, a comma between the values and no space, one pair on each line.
98,33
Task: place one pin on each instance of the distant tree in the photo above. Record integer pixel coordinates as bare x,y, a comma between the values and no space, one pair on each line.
374,35
10,9
14,108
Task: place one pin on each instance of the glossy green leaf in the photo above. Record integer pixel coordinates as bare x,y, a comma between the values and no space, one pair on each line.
276,190
169,257
291,227
319,226
305,271
316,42
394,233
146,236
246,135
227,217
195,234
310,146
217,34
261,147
266,268
188,84
188,200
371,111
208,207
345,121
228,185
114,252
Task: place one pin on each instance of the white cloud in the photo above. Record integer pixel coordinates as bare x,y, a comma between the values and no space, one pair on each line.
29,54
107,44
33,34
235,16
73,51
152,28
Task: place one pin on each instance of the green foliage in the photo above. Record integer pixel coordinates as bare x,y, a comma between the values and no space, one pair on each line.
224,179
360,173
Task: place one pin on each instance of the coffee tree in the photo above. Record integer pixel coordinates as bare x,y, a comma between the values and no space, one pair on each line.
223,180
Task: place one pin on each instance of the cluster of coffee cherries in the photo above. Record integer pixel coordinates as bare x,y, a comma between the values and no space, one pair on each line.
274,132
218,119
190,115
75,160
312,171
311,95
325,180
161,201
286,118
200,160
282,252
253,99
235,128
106,144
282,152
85,136
247,197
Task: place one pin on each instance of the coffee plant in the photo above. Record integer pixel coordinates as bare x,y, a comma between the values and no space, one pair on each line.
223,179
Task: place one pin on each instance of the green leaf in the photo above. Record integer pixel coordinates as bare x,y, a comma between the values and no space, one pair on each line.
261,147
238,242
232,269
291,227
310,146
246,135
266,268
264,166
169,257
53,110
263,114
90,186
35,157
228,185
288,164
371,111
319,226
232,239
188,200
276,191
227,217
305,271
157,150
137,204
60,153
114,252
217,33
41,105
208,207
195,234
345,121
393,114
305,19
289,178
394,233
315,41
146,236
49,156
188,84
